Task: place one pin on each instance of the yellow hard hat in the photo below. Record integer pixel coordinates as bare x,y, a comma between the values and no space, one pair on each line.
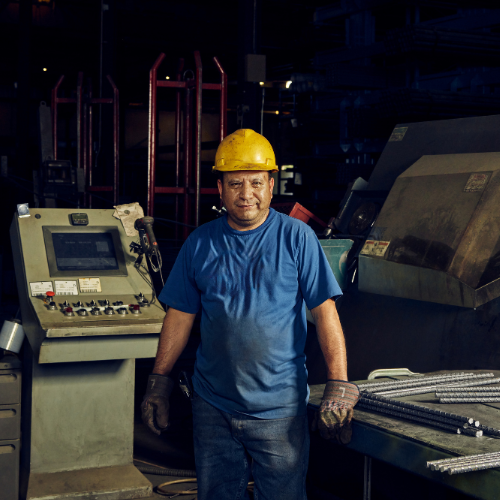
245,150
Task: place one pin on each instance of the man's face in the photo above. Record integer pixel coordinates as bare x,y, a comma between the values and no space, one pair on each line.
246,194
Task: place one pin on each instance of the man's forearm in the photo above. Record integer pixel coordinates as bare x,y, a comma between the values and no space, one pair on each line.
173,339
331,339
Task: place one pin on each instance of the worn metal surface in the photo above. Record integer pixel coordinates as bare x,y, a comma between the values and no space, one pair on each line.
78,431
463,135
409,446
73,426
9,467
98,348
441,221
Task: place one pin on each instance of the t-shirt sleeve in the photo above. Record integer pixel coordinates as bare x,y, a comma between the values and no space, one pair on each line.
316,279
180,291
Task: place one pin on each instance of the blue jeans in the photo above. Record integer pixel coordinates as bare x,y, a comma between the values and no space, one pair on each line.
228,448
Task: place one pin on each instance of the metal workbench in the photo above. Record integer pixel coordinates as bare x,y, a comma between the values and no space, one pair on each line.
409,446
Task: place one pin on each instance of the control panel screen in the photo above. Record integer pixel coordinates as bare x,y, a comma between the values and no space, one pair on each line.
84,251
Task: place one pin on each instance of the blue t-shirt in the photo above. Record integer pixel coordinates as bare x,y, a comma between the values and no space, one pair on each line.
251,286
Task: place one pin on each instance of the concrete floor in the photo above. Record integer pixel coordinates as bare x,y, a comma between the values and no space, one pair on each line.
156,480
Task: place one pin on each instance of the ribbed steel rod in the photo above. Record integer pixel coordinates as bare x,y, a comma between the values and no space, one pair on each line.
469,400
464,393
475,389
474,383
386,409
433,464
414,382
489,431
416,378
465,463
445,380
471,468
411,406
432,388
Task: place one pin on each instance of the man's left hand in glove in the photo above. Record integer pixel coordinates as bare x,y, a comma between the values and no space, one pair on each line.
333,419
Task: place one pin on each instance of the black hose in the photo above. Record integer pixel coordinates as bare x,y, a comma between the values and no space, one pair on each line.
163,471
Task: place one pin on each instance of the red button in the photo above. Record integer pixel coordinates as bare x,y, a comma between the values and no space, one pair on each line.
136,307
50,294
69,309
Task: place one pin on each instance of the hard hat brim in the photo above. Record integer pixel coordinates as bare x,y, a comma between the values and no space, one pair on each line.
244,166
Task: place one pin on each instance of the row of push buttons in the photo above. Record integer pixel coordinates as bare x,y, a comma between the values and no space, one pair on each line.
94,309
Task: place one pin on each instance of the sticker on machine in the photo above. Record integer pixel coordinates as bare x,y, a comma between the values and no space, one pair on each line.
66,288
90,285
41,288
368,247
476,182
380,248
375,248
397,134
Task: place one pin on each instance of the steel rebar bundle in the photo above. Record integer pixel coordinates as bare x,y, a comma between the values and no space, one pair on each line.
475,467
460,419
435,464
431,420
431,388
416,413
413,382
489,431
467,463
458,379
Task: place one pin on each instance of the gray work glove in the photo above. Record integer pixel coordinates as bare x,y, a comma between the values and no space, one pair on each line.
333,419
155,404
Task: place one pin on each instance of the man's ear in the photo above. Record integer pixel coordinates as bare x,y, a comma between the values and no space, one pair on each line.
219,185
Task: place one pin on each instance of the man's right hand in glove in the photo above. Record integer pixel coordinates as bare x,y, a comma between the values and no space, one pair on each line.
155,405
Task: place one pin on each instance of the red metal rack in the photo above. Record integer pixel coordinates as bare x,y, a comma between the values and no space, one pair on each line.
191,182
84,129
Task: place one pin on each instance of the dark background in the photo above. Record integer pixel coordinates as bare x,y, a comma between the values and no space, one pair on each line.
357,69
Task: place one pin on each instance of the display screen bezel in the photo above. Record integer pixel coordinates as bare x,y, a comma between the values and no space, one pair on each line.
48,231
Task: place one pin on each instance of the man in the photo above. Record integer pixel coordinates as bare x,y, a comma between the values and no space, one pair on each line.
250,272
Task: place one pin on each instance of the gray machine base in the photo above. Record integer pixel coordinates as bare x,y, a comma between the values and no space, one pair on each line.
107,483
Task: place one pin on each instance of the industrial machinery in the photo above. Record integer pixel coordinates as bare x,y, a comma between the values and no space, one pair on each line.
436,237
427,226
88,310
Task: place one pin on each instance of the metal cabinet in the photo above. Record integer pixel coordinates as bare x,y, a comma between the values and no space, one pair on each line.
10,426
